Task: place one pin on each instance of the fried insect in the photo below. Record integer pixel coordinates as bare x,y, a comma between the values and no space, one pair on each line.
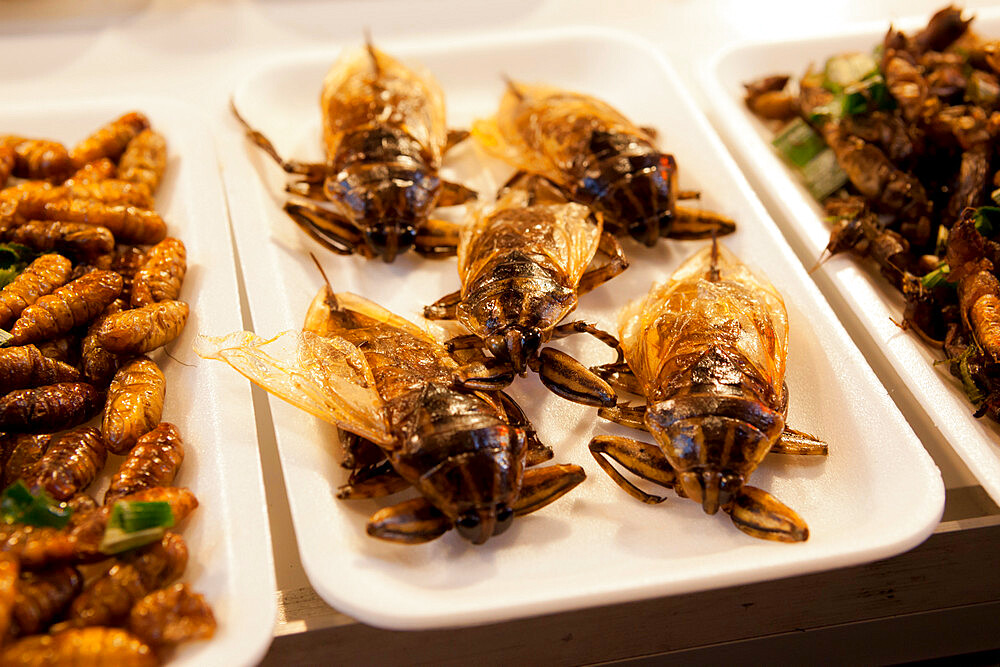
80,647
522,267
141,330
161,275
70,463
48,408
108,600
127,261
36,547
98,170
111,191
41,596
110,140
597,157
65,349
38,158
75,239
707,350
9,570
144,160
134,403
153,461
41,277
24,366
25,450
7,159
72,305
172,615
97,364
384,134
389,385
129,224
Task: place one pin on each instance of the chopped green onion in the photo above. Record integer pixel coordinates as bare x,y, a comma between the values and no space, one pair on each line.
995,195
4,337
866,95
983,89
972,390
804,149
14,257
941,246
19,505
134,524
116,540
987,219
937,277
843,70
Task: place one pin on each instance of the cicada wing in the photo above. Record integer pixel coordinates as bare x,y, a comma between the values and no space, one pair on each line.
327,377
331,314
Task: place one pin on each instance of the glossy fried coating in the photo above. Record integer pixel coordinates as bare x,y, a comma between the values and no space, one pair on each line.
80,647
48,408
41,596
36,546
38,158
97,364
144,159
134,403
114,191
129,224
108,600
42,276
127,261
76,239
9,570
110,140
161,275
80,503
74,304
7,159
97,170
153,461
65,349
70,463
25,366
140,330
172,615
25,450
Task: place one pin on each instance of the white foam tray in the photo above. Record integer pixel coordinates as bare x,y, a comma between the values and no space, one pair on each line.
877,494
228,535
863,291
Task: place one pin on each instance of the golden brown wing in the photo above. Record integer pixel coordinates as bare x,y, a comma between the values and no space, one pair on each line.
366,87
678,319
326,376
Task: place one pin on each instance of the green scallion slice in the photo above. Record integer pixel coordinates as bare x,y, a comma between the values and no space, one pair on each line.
135,524
19,505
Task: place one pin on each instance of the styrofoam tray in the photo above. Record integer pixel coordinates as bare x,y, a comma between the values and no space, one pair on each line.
875,304
876,495
228,537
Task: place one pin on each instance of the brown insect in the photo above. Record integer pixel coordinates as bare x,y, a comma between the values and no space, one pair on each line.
707,350
522,268
7,159
85,647
41,596
36,547
112,191
21,454
65,349
141,330
97,170
597,157
384,134
144,160
70,463
74,239
72,305
110,140
9,571
97,364
134,403
48,408
24,366
153,461
129,224
171,615
42,276
38,158
160,276
389,385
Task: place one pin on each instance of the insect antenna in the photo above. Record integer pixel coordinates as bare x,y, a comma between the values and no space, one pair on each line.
512,87
713,269
370,47
823,256
331,298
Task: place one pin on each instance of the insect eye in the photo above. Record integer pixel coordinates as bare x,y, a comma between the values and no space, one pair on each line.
505,516
468,525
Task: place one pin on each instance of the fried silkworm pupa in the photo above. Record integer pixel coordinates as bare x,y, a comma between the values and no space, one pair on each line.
109,140
129,224
113,191
109,598
7,159
96,170
153,461
97,364
81,647
38,158
36,547
65,349
134,404
140,330
49,408
76,239
172,615
70,463
128,260
74,304
41,596
25,366
89,530
42,276
81,503
161,275
9,570
25,450
144,159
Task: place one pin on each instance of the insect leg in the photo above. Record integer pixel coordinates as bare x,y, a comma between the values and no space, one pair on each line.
453,194
541,486
617,262
799,442
758,513
633,416
580,326
485,374
537,452
374,481
693,224
620,376
410,522
330,231
437,238
640,458
315,172
568,378
454,138
444,308
359,452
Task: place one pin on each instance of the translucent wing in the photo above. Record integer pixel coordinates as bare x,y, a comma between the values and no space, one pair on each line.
366,87
325,376
679,319
332,314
